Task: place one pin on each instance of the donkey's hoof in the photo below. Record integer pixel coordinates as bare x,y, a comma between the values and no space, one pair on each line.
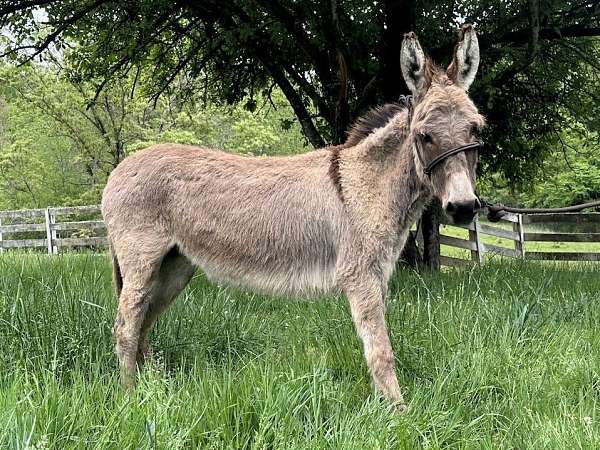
400,408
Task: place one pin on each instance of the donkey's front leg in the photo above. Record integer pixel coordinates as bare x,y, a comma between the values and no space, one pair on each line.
367,304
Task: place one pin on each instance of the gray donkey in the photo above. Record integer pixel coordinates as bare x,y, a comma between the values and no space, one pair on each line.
305,225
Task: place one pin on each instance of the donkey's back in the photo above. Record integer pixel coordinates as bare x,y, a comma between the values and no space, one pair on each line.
270,224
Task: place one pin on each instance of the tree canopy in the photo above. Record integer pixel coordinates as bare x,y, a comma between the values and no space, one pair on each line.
334,59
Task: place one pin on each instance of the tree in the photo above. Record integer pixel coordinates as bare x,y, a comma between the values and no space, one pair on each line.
570,176
333,59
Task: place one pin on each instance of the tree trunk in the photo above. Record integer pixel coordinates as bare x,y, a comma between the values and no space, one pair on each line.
399,18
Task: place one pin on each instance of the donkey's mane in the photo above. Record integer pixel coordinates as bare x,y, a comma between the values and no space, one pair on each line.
375,118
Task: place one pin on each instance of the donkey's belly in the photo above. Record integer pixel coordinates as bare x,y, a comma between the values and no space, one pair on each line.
303,266
288,281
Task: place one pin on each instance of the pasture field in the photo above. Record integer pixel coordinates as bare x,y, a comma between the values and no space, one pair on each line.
506,355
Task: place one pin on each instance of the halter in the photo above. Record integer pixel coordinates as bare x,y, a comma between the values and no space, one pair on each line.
407,101
453,151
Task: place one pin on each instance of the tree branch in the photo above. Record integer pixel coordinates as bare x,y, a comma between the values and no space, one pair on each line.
179,67
290,22
15,7
65,24
310,90
310,131
522,36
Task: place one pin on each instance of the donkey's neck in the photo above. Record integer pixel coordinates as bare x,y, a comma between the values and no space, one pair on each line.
381,177
412,190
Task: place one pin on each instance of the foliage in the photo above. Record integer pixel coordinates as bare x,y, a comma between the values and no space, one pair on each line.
500,356
57,148
35,160
570,175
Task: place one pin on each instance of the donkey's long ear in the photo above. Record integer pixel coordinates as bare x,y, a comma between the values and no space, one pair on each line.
463,68
413,63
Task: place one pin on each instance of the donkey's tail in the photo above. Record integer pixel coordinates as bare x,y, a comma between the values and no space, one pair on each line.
117,277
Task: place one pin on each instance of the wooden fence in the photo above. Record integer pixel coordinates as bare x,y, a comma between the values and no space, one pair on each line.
517,232
56,229
52,228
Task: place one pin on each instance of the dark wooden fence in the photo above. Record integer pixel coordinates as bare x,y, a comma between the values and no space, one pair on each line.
57,229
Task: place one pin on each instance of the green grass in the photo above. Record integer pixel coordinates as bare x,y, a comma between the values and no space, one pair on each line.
500,356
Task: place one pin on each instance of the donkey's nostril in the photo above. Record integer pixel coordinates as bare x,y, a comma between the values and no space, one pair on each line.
451,207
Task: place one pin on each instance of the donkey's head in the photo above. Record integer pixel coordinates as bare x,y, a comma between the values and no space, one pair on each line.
444,118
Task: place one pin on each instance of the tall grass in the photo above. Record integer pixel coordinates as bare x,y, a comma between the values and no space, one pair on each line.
501,356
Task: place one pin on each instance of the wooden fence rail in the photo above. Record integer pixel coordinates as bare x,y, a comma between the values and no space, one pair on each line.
520,237
52,228
56,229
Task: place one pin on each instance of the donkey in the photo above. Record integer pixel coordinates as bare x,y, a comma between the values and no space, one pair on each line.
304,225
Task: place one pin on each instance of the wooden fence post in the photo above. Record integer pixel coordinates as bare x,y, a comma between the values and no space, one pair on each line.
430,230
411,256
48,230
52,216
518,228
475,236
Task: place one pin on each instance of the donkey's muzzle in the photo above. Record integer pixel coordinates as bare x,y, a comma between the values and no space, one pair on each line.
463,213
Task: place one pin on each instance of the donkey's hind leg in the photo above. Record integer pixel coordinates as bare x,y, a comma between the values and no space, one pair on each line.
140,270
175,272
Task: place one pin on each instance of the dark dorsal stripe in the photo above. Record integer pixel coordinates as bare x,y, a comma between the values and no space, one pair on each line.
334,170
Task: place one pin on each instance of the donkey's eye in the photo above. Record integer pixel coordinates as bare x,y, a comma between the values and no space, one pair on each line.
426,138
474,130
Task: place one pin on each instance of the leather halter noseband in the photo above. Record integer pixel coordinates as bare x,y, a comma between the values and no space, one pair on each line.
407,101
453,151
